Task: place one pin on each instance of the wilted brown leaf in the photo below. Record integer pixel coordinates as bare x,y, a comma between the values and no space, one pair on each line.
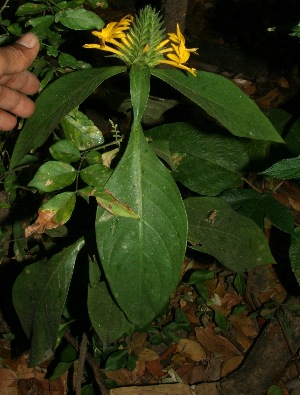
162,389
231,365
138,343
8,378
148,355
121,376
44,221
155,368
191,349
216,344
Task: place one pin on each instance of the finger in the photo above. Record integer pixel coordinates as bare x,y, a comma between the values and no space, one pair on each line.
7,121
18,57
15,102
24,82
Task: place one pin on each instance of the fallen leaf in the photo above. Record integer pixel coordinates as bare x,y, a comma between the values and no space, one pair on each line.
155,368
121,376
162,389
230,300
269,99
244,323
294,203
148,355
191,349
7,378
216,344
231,365
138,343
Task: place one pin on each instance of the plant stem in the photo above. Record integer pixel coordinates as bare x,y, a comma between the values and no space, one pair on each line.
81,360
4,6
91,361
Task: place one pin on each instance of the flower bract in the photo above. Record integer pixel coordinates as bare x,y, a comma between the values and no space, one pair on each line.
143,41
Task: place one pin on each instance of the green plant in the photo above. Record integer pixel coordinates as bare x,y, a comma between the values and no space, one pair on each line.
142,224
52,22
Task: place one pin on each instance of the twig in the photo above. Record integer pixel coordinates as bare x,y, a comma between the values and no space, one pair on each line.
91,361
81,360
4,6
251,185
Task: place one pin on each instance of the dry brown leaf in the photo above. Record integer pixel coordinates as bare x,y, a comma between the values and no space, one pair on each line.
10,391
245,323
162,389
139,369
230,300
7,378
213,369
177,359
44,221
168,352
268,99
191,315
216,344
24,372
231,365
294,203
148,355
283,82
121,376
240,337
138,343
155,368
263,283
191,349
107,157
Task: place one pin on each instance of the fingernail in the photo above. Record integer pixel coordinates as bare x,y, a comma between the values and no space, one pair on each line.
29,40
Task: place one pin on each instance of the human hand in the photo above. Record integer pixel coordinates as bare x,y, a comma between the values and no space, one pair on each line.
16,82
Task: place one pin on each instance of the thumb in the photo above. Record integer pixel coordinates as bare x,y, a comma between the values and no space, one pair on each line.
18,57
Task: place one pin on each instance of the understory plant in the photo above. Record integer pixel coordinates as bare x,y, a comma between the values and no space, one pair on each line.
158,190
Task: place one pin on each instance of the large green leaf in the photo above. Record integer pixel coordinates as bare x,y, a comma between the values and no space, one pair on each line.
56,101
203,161
142,257
224,101
107,319
236,241
257,206
39,295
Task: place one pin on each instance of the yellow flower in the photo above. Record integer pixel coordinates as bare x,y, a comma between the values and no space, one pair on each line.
179,53
110,34
145,42
177,38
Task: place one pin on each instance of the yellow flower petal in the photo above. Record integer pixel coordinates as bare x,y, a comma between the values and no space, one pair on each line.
97,46
162,44
179,66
